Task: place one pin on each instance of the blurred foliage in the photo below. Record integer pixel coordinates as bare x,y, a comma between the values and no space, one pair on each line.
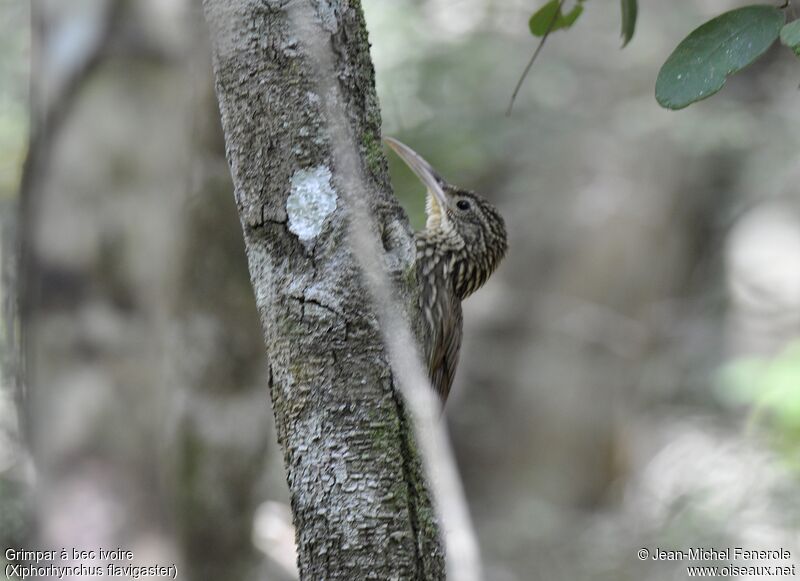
14,68
790,36
15,523
14,71
771,386
599,336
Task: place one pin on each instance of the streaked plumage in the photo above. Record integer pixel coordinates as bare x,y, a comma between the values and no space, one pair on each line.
463,242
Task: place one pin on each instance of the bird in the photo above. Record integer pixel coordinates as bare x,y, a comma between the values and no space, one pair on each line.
463,242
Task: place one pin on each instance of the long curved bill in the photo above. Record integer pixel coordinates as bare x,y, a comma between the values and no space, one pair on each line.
424,171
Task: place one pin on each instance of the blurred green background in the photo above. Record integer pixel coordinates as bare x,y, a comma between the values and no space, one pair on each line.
629,378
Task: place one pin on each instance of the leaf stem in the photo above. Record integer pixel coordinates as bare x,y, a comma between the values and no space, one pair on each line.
533,58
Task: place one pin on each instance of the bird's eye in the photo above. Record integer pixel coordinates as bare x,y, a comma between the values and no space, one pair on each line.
462,205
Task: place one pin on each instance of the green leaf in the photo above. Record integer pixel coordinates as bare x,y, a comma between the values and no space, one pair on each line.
549,18
629,11
721,47
790,36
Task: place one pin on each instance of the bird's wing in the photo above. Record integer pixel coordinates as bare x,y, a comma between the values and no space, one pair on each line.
446,347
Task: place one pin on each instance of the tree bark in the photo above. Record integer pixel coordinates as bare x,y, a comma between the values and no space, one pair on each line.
360,503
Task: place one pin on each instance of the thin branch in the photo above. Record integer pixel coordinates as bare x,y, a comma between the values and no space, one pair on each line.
533,58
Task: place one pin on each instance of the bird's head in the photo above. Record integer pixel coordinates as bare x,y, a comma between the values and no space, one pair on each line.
470,227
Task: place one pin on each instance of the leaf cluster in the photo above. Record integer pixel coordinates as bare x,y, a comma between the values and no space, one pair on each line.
702,62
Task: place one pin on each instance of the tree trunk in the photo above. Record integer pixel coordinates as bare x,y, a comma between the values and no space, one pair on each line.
361,506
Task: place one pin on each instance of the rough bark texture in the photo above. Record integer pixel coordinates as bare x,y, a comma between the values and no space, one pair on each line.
360,503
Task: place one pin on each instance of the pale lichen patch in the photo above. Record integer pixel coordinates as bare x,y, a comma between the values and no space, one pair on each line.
312,199
327,15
